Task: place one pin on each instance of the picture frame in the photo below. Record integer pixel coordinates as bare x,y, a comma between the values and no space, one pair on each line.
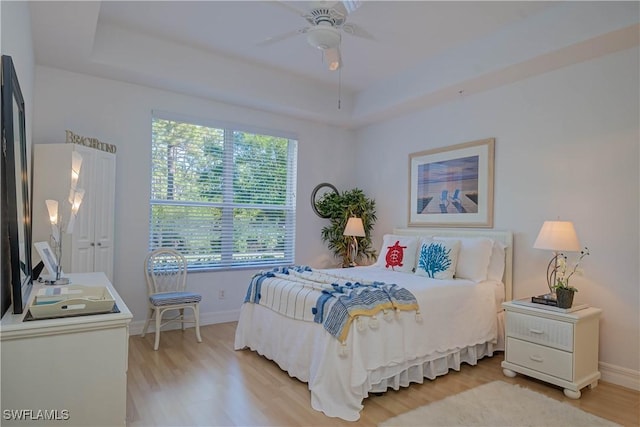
452,186
48,257
16,207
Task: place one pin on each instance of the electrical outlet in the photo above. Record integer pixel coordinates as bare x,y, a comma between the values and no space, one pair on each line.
221,294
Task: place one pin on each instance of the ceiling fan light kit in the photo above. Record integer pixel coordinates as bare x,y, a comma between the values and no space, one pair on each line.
323,37
327,39
327,20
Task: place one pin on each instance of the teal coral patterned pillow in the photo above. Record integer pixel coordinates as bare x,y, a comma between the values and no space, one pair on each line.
437,259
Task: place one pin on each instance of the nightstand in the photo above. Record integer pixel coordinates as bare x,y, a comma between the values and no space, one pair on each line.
559,348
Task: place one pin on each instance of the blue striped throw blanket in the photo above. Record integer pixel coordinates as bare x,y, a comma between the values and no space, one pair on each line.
303,293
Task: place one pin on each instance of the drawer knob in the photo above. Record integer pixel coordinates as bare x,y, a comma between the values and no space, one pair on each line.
536,358
536,331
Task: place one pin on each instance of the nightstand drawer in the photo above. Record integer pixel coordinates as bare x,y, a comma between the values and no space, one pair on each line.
540,358
549,332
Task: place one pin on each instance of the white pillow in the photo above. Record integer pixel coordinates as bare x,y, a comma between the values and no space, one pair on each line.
437,258
398,253
497,262
473,259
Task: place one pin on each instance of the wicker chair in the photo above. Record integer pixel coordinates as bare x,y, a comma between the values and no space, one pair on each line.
166,274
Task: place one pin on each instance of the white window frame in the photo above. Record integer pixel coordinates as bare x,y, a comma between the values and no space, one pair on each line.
229,260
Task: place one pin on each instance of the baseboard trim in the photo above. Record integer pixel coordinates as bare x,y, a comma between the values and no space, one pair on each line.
135,328
620,376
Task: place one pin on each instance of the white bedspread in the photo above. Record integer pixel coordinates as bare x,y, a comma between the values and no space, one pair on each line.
456,314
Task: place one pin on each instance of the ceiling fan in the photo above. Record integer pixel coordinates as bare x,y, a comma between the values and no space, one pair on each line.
327,22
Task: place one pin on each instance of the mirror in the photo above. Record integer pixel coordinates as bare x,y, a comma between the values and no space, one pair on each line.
16,209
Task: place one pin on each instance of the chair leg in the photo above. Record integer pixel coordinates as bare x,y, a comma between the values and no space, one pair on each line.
196,314
158,323
182,318
146,324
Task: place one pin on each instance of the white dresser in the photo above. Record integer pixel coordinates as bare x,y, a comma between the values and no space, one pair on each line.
559,348
69,371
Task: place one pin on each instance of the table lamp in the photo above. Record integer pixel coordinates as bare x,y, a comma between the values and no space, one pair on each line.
58,225
556,236
354,229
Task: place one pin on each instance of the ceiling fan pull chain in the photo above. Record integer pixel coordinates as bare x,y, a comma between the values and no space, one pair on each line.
339,85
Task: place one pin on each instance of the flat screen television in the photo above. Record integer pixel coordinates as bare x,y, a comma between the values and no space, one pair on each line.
16,204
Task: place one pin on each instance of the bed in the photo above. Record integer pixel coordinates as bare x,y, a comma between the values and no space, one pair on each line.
430,323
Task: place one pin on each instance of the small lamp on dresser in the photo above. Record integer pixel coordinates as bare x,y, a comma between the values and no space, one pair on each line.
58,225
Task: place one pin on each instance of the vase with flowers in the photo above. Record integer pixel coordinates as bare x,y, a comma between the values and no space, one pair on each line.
565,292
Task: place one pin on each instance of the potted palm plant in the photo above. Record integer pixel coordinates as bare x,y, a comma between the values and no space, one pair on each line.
338,208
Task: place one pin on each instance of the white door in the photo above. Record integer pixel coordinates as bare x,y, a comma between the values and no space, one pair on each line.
104,211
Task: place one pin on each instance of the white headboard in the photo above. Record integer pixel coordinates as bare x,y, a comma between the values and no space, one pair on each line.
505,237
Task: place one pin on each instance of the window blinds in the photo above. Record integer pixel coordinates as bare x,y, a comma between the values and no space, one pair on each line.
222,197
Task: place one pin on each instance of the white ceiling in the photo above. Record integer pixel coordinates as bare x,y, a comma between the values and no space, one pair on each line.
405,32
424,52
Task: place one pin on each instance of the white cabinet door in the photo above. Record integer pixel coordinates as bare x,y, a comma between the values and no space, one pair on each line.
93,242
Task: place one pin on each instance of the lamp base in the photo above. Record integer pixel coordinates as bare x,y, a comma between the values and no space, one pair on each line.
60,281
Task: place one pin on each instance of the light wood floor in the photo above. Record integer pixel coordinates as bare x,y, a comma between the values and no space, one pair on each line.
187,383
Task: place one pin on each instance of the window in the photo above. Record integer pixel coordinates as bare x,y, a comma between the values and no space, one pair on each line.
222,197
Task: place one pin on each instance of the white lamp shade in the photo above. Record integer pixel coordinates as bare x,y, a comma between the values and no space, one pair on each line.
354,227
332,56
52,208
76,164
77,200
75,206
558,236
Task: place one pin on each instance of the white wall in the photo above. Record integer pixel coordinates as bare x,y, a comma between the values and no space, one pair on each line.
566,146
120,114
16,41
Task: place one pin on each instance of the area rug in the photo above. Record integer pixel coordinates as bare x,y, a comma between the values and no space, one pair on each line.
497,404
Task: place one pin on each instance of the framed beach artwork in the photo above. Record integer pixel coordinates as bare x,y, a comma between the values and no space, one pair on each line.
452,186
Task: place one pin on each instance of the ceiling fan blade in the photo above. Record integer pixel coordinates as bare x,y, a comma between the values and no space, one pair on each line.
275,39
290,8
357,31
351,5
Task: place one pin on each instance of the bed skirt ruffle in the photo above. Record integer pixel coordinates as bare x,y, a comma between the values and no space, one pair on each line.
430,367
433,365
